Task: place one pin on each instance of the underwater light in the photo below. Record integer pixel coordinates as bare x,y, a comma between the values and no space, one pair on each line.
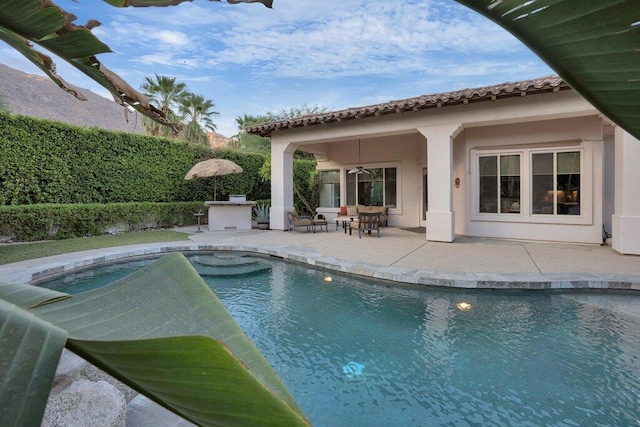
463,306
328,279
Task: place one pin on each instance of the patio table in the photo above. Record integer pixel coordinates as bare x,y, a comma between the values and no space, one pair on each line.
344,220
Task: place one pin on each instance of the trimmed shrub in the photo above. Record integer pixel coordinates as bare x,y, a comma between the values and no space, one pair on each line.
48,162
42,161
49,165
54,221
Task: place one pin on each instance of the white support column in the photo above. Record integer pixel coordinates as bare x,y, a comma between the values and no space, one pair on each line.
440,216
281,183
626,218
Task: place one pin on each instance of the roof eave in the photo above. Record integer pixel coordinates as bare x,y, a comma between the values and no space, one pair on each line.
440,100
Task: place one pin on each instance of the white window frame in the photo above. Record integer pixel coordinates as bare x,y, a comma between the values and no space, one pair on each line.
339,184
526,155
498,156
397,165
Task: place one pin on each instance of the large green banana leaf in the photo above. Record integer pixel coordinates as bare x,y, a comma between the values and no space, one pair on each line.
41,22
161,331
29,352
594,45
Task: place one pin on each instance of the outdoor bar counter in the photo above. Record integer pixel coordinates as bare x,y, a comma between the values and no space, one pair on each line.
231,215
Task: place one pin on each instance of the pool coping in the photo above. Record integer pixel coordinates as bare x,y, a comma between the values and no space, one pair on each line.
34,271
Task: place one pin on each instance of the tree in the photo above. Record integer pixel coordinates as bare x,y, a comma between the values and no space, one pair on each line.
293,112
249,142
197,112
25,24
261,144
168,95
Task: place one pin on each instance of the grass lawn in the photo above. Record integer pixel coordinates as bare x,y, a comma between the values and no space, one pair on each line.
22,252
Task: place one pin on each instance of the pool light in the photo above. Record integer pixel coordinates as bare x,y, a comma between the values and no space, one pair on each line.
328,279
463,306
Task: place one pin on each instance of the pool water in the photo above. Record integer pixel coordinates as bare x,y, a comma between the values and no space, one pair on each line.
360,352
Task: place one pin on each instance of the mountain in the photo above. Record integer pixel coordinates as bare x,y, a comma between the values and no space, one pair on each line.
38,96
217,140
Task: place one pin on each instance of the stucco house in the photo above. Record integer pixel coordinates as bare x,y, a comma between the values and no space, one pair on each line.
525,160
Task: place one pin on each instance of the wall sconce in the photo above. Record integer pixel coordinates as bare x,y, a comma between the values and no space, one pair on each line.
457,182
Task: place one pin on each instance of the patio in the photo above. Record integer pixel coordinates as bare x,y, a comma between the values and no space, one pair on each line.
399,255
400,248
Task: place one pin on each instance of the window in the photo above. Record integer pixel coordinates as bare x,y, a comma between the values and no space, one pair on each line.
330,189
533,184
556,183
377,188
499,183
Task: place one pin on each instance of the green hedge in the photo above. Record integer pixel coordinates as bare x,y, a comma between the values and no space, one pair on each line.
303,173
55,221
49,162
47,166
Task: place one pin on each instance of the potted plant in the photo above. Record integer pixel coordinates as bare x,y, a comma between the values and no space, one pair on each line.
261,215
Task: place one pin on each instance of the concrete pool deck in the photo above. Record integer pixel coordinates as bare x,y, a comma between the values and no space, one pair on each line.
398,255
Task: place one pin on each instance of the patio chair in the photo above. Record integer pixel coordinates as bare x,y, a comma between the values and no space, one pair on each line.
297,221
366,221
320,221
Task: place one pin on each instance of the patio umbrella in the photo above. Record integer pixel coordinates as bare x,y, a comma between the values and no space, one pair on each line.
214,168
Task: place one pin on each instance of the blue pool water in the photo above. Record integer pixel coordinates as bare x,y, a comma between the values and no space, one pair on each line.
360,352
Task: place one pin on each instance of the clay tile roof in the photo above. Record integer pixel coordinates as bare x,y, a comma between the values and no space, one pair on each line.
438,100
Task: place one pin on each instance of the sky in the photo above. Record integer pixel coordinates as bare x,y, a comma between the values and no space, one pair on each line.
330,54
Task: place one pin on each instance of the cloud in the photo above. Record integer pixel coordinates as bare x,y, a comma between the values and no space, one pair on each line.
173,38
307,38
338,39
155,59
188,78
310,40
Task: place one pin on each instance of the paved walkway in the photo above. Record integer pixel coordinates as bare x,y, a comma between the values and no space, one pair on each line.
398,255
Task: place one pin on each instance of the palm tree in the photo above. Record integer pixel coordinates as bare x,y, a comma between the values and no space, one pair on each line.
252,143
168,94
197,112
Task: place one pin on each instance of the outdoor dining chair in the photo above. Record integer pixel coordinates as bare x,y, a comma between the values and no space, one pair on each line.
367,221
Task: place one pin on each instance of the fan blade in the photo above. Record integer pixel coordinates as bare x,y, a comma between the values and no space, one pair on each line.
359,170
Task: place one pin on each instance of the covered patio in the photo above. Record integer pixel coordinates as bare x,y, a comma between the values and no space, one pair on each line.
525,160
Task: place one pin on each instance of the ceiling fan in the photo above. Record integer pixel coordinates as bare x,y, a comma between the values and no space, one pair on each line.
359,169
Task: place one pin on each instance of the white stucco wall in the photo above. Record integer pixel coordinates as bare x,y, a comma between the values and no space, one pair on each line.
406,152
584,133
398,140
626,220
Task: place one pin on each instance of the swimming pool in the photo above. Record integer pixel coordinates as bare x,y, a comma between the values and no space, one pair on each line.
361,352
